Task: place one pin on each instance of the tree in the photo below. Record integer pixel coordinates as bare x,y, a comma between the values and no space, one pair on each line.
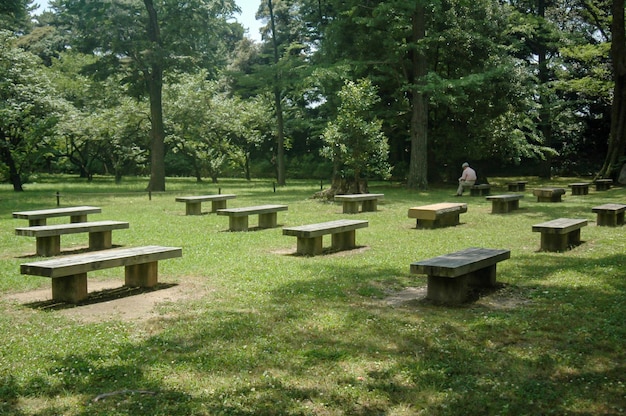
28,111
354,140
144,40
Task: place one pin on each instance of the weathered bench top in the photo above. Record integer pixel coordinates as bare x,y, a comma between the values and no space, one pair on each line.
518,182
86,262
315,230
201,198
610,207
548,191
72,228
245,211
505,197
358,197
461,262
56,212
560,225
608,180
431,212
571,185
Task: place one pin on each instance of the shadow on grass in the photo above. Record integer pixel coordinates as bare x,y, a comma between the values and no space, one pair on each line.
100,296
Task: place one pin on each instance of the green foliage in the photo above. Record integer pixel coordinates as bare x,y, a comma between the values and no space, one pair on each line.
354,140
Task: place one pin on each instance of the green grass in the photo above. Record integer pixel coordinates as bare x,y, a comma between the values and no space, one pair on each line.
269,333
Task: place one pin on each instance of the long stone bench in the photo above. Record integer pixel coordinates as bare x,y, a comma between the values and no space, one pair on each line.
603,184
238,217
369,202
48,237
501,204
437,215
559,234
451,276
310,236
579,188
69,273
548,194
480,189
39,217
610,215
193,204
517,186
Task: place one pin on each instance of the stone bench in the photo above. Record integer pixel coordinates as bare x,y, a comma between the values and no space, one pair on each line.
39,217
437,215
350,202
501,204
480,190
603,184
559,234
193,204
238,217
69,273
548,194
450,276
610,215
48,237
579,188
517,186
310,236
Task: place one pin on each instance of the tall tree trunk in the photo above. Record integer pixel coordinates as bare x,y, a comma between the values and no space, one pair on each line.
546,111
280,127
617,137
418,163
154,79
7,158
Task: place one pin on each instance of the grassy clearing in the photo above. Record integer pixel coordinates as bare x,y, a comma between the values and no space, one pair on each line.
269,333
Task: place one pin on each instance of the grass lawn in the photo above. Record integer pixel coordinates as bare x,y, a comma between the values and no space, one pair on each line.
260,331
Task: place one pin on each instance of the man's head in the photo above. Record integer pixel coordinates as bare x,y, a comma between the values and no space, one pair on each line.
465,165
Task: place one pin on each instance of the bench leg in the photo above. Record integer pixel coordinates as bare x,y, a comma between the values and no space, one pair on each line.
610,219
619,218
309,246
554,242
447,220
142,275
238,223
370,205
72,289
48,246
78,218
485,277
451,291
193,208
344,241
215,205
35,223
100,240
499,207
350,207
268,220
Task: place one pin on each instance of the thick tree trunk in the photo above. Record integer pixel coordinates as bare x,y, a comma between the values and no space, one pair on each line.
617,137
418,163
154,79
14,175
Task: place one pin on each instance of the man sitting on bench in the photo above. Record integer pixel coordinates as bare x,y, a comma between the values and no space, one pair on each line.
467,179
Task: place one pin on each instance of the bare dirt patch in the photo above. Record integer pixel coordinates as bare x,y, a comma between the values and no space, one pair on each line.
110,301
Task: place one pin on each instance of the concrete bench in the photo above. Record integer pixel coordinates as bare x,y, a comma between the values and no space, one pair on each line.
579,188
548,194
603,184
480,190
501,204
350,202
193,204
310,236
517,186
559,234
238,217
437,215
69,273
39,217
450,276
48,237
610,215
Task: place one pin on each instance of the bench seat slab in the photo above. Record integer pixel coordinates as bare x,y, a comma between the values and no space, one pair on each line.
437,215
603,184
548,194
38,217
310,236
579,188
559,234
369,202
501,204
